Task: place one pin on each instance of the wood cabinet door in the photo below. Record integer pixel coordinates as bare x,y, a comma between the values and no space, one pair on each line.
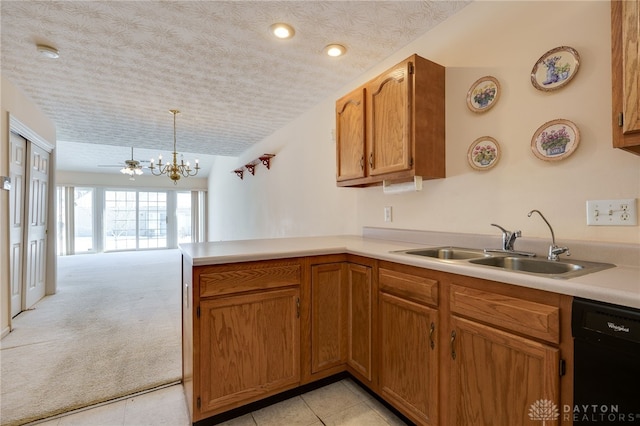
328,316
625,58
389,112
408,357
249,347
360,294
498,378
350,136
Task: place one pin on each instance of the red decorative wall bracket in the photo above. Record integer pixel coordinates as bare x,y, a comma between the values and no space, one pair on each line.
265,159
251,168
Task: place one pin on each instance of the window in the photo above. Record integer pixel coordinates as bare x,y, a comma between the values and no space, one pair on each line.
95,219
183,214
83,220
152,219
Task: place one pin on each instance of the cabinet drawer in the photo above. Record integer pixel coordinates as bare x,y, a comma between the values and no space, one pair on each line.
419,289
214,282
522,316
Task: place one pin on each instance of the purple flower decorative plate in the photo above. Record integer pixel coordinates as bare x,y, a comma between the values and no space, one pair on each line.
555,140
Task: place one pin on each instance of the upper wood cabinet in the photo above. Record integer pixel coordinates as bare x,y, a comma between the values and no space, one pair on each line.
393,128
625,45
350,131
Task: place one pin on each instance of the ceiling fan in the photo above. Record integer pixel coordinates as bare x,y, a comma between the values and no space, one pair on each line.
131,167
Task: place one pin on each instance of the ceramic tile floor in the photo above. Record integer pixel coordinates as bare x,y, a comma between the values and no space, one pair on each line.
342,403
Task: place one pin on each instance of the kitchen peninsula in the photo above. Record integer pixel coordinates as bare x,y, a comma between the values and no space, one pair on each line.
261,317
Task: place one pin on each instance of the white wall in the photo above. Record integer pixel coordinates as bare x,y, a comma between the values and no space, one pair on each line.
504,39
296,197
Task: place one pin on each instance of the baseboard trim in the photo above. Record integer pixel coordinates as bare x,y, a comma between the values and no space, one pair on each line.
5,332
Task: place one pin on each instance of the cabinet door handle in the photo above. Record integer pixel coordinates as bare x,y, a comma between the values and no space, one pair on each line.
371,160
432,330
362,162
453,347
298,307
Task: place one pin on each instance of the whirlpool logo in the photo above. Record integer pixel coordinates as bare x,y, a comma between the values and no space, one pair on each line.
616,327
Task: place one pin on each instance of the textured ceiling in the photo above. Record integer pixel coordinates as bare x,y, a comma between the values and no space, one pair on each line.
124,64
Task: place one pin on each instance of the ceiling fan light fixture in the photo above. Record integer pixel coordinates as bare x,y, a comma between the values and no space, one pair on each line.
282,30
335,50
131,171
48,51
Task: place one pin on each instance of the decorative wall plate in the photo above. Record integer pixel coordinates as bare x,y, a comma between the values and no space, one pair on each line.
483,153
483,94
555,140
555,69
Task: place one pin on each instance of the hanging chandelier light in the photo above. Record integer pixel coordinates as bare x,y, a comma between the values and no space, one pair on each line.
174,169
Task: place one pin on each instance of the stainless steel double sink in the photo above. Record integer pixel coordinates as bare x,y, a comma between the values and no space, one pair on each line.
510,262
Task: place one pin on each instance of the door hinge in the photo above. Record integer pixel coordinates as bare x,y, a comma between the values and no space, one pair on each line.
410,68
563,367
198,403
298,307
198,312
620,119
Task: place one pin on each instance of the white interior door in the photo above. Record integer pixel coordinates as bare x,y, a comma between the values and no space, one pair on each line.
18,152
36,241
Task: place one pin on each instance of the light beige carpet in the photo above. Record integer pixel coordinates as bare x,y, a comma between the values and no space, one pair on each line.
112,329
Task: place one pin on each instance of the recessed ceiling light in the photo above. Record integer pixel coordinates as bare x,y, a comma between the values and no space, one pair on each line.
48,51
283,31
335,50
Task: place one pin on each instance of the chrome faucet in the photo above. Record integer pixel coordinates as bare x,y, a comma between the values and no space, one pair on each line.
508,238
554,250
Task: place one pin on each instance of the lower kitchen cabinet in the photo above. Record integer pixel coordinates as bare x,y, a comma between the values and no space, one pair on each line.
329,298
507,351
498,378
249,347
407,326
408,370
443,349
361,297
241,333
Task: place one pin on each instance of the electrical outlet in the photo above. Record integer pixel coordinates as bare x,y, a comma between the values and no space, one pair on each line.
387,214
612,212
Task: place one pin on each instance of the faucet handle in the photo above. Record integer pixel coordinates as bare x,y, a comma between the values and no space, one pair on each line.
508,237
555,251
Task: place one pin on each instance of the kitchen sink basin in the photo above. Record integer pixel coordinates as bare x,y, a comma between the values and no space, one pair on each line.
510,261
559,269
449,253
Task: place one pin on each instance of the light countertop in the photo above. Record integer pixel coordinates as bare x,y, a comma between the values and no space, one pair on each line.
619,285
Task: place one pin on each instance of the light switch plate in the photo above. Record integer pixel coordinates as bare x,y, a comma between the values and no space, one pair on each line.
387,214
612,212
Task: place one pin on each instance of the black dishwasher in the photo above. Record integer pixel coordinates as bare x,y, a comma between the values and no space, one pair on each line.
606,364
